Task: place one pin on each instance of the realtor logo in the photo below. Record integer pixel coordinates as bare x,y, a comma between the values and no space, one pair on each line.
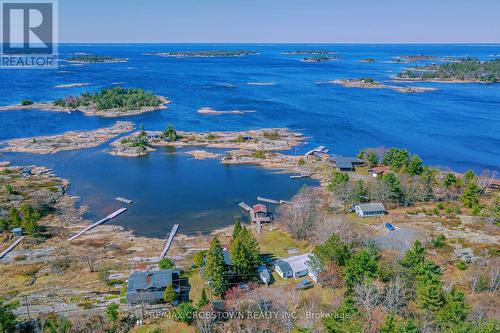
29,32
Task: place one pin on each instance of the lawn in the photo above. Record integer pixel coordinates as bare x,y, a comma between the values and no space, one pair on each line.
277,242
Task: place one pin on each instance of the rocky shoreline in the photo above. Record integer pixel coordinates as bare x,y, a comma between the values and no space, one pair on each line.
67,141
89,110
360,83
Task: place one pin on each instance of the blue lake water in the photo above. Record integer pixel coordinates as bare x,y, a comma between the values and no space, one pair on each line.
456,126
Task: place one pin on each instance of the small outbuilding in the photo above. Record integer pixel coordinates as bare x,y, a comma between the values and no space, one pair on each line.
17,231
377,171
261,214
370,209
264,275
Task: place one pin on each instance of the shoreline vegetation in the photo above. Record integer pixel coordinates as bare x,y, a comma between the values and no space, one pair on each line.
72,140
94,59
311,52
203,54
469,70
370,83
107,102
319,59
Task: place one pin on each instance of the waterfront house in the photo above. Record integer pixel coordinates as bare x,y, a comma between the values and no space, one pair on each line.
346,163
296,267
370,209
377,171
495,184
149,286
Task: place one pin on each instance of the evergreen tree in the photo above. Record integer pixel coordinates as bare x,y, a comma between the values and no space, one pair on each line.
469,176
450,180
333,250
454,312
346,319
166,263
360,192
236,230
414,257
7,317
361,265
338,179
396,158
372,159
112,313
170,133
389,325
415,166
245,253
395,190
203,299
169,295
429,294
215,268
470,197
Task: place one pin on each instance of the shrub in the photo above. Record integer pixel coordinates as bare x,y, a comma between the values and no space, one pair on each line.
439,241
26,102
259,154
301,162
166,263
461,265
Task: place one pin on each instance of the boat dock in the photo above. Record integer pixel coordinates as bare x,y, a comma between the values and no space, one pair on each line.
107,218
169,240
124,200
303,175
245,206
11,247
268,200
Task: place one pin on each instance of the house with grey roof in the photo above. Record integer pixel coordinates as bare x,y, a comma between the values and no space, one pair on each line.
149,286
370,209
346,163
296,267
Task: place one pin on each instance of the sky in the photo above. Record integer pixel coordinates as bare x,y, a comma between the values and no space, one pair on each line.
279,21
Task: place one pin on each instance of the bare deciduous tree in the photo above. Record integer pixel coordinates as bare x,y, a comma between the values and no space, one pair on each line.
394,295
485,179
303,214
494,279
367,296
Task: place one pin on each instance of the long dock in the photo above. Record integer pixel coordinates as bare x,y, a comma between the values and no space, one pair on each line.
106,219
244,206
11,247
124,200
169,240
268,200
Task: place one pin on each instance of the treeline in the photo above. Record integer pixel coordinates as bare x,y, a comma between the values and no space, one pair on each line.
112,98
406,182
26,217
409,292
468,69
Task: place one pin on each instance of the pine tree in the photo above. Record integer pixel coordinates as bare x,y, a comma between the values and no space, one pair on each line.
454,312
245,254
236,230
215,268
415,166
429,294
203,299
389,325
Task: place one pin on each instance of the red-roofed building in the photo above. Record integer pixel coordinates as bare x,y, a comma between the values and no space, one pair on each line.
377,171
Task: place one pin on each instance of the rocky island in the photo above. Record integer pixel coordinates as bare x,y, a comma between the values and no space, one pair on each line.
270,139
469,70
311,52
368,60
204,54
108,102
67,141
319,59
212,112
370,83
94,59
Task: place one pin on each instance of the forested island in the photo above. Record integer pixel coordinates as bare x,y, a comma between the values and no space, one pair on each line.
107,102
206,54
318,59
311,52
94,59
469,70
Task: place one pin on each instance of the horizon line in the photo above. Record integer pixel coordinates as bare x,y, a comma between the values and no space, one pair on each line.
298,43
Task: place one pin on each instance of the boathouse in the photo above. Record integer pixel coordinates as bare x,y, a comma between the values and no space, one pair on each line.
370,209
260,214
149,286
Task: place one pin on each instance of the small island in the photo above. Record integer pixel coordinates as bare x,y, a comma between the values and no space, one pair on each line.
107,102
469,70
204,54
94,59
319,59
269,139
67,141
370,83
368,60
311,52
211,112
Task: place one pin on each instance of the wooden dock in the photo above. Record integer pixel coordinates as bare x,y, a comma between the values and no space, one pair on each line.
320,149
11,247
169,240
124,200
268,200
107,218
245,206
303,175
